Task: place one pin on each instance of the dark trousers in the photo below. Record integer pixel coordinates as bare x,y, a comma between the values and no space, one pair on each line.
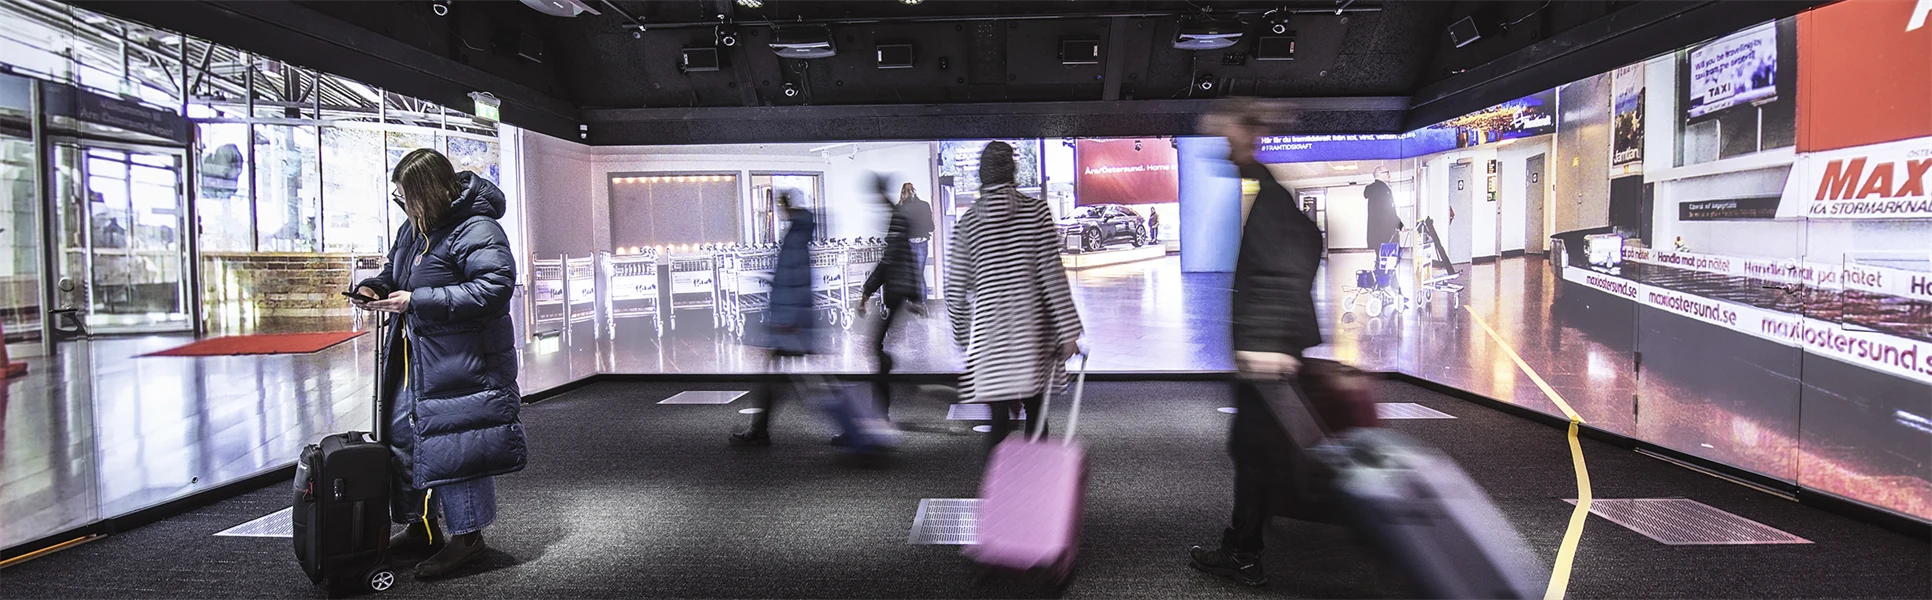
882,381
1251,512
765,398
1003,419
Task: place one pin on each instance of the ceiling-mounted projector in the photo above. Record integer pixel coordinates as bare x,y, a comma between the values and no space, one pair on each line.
1208,33
803,41
560,8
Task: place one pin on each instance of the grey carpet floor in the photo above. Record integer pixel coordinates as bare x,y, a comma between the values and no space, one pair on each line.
628,498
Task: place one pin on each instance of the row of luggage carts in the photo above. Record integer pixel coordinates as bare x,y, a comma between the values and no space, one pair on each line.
730,282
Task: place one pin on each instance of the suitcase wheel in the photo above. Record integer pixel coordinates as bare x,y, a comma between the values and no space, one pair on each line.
381,580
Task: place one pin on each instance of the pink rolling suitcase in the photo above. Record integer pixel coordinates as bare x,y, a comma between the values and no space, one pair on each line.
1029,508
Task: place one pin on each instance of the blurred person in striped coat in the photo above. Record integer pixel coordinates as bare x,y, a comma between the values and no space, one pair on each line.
1008,297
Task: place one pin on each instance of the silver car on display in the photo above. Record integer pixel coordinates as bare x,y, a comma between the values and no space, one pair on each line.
1093,228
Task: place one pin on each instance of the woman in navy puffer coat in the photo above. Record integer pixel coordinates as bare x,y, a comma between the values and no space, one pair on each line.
452,364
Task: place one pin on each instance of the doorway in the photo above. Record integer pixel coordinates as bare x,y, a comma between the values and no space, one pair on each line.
1461,190
766,226
121,257
1533,242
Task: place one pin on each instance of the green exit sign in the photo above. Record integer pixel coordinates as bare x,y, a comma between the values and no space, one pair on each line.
487,107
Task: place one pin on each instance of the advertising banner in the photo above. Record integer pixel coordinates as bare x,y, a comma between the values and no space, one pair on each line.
1889,354
1528,116
1866,74
1740,68
1627,138
1322,148
1880,181
1126,171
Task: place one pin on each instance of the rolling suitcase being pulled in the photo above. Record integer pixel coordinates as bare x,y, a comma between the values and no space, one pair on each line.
1030,499
1429,517
341,508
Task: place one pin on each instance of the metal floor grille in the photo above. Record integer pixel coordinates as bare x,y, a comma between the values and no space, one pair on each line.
945,522
973,412
1409,410
272,525
1686,522
703,398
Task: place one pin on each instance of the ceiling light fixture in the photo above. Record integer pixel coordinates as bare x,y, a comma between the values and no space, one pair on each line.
440,7
911,2
751,3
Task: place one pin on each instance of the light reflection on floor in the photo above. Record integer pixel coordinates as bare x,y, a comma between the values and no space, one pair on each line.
138,431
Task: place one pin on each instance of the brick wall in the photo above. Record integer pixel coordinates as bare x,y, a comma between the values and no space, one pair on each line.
280,292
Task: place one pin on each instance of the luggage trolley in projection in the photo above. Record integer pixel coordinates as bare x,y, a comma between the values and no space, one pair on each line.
828,283
633,289
547,277
694,278
860,259
744,280
580,285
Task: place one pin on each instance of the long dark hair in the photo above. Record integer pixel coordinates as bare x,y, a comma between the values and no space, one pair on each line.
427,184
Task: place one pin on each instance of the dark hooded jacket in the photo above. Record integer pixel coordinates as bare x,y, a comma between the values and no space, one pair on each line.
790,327
451,366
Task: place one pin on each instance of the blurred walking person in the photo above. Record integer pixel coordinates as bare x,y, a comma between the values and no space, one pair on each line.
918,231
898,277
452,364
791,326
1273,323
1008,298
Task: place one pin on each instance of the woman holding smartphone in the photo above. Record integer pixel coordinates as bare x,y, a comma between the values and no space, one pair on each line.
452,397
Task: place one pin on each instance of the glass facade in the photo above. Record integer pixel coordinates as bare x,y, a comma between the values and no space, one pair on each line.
289,186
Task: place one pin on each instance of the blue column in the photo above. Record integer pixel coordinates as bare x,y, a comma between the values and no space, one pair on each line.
1210,206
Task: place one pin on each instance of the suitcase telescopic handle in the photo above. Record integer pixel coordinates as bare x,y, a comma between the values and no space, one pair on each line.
1073,414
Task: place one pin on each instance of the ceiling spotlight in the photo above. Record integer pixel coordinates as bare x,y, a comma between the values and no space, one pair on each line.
1205,82
791,91
751,3
440,7
911,2
727,37
1208,33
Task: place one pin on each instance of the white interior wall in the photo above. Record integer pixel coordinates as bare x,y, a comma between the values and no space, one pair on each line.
562,197
851,198
1514,190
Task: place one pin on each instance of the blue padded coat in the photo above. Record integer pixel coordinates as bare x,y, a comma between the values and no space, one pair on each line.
791,326
452,365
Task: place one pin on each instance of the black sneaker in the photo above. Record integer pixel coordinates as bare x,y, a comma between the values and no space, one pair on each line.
1242,568
415,539
751,438
837,440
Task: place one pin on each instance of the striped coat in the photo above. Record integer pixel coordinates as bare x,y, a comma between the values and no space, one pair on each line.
1008,297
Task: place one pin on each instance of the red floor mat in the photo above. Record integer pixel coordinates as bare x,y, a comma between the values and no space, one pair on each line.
287,343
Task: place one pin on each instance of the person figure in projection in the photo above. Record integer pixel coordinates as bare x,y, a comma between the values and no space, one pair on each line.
791,326
1383,223
898,277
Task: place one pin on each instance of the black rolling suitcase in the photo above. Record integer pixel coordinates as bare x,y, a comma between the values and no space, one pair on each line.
341,511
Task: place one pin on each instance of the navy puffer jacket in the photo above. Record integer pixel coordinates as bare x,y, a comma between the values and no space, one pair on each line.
791,326
452,362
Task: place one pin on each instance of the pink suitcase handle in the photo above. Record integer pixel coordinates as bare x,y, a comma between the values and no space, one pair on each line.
1073,415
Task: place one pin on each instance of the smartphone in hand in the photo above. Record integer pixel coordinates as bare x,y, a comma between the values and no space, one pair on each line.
352,295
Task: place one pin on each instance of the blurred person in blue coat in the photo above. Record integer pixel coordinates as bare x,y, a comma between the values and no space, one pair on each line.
791,326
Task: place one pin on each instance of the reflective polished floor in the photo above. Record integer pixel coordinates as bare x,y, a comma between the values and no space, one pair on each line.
101,432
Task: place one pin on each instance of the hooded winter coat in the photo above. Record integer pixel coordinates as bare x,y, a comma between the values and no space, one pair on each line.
451,364
791,326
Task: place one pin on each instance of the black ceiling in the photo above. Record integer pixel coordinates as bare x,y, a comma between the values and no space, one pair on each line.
619,70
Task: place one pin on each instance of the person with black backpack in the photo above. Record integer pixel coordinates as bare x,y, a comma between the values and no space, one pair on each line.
451,365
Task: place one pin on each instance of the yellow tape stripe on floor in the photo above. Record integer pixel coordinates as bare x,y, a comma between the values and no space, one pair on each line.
1566,552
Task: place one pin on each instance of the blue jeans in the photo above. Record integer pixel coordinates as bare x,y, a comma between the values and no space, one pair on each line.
467,507
919,255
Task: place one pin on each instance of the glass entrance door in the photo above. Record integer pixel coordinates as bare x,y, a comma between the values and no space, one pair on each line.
123,256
